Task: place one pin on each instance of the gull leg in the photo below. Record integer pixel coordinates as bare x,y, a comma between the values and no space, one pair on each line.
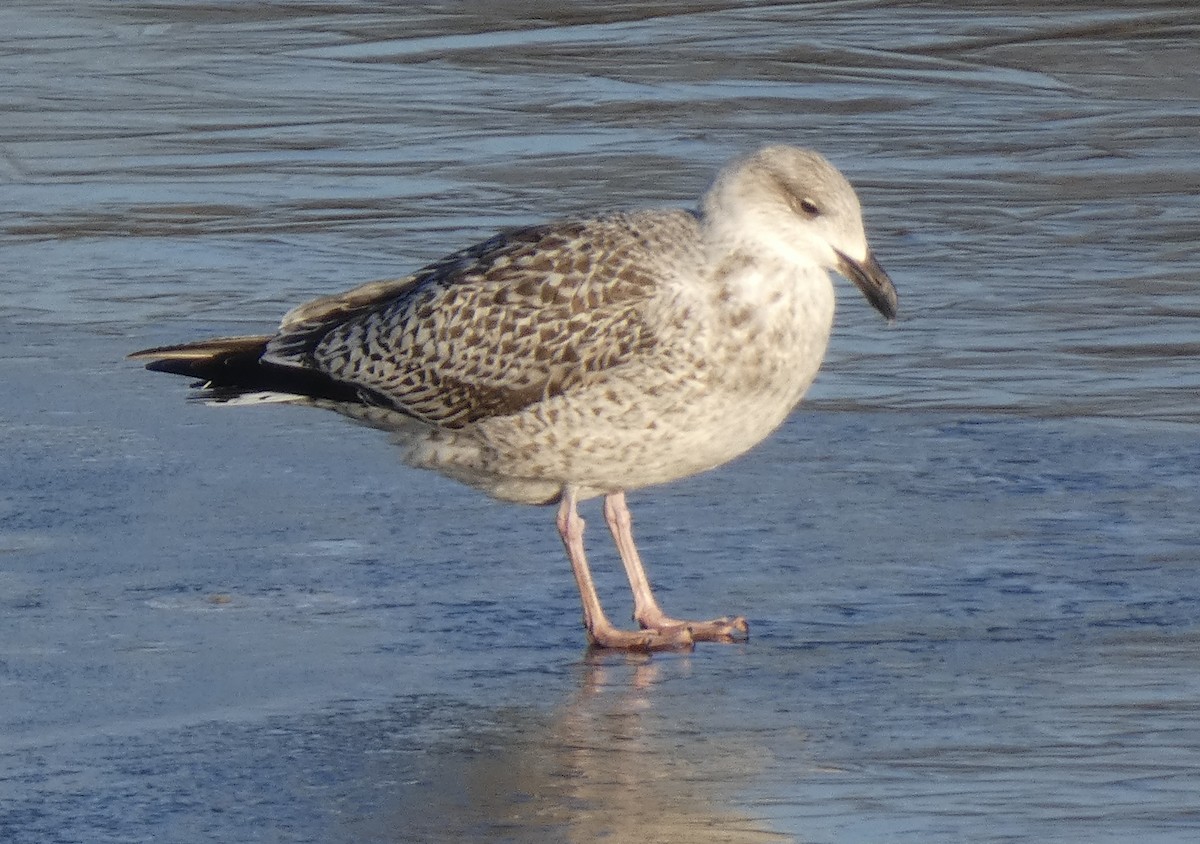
646,610
600,632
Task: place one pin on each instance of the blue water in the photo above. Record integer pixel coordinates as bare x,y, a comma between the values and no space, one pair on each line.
969,560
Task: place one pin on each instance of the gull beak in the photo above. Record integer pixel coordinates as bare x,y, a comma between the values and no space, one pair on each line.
871,279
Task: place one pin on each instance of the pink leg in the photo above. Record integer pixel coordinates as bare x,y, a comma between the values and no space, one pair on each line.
600,632
646,610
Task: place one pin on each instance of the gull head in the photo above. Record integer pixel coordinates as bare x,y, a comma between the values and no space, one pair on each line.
795,204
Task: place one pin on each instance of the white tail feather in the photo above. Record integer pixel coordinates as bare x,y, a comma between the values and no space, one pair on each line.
257,398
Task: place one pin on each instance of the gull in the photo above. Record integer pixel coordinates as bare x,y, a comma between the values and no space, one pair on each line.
584,358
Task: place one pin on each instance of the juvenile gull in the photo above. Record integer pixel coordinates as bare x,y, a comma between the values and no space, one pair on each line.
583,358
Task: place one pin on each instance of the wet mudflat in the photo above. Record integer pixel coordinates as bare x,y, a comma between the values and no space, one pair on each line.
969,560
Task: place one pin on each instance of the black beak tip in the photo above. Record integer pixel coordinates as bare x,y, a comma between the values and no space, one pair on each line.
870,278
888,305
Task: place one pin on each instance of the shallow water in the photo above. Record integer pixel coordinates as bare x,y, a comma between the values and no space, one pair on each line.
969,560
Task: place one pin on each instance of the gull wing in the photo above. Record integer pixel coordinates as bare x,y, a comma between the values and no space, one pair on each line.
487,331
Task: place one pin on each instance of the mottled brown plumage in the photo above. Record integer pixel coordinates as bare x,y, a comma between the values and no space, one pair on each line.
488,331
586,357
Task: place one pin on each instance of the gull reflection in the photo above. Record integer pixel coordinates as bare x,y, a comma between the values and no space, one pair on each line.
621,761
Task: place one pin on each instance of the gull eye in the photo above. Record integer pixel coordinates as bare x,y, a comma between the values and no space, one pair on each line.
809,207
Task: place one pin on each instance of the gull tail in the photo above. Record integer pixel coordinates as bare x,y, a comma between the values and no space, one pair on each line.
232,370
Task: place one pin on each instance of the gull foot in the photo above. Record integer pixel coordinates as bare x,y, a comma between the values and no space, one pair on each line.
727,629
675,638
